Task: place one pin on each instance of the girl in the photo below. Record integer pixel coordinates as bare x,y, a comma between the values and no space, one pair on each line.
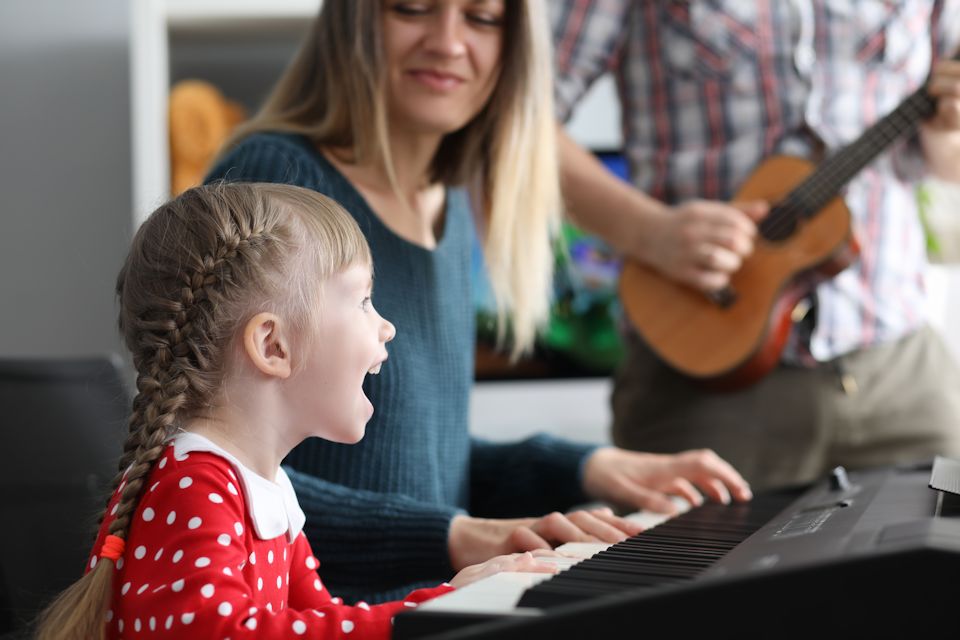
393,108
247,311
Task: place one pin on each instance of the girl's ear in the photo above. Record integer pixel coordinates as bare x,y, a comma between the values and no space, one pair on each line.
267,346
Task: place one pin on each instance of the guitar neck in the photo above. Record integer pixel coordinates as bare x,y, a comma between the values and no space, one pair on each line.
835,172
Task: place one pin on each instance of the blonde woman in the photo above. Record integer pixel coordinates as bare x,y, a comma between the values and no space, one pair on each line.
406,113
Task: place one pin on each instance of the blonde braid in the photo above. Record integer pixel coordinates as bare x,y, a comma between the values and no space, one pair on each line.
178,349
174,342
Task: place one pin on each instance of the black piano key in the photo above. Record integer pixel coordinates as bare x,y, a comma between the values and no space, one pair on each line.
558,594
633,565
641,572
677,550
686,546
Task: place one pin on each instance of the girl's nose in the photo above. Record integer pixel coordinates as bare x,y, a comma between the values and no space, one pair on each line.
387,331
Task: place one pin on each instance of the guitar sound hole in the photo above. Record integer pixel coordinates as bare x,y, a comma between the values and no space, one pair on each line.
778,226
723,298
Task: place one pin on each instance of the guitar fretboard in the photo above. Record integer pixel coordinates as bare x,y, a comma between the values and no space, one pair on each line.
825,183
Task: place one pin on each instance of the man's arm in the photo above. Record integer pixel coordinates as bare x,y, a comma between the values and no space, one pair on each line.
698,242
603,204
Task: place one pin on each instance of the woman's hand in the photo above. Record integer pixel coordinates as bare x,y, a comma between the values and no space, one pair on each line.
474,540
527,561
634,480
646,481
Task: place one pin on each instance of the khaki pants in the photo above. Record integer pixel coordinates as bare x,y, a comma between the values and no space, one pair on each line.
796,424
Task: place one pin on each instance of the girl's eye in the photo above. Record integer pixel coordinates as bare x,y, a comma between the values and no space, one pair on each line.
365,305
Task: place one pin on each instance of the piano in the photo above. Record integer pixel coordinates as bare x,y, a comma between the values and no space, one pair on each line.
863,553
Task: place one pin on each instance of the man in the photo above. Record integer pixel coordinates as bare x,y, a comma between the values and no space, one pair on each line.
710,89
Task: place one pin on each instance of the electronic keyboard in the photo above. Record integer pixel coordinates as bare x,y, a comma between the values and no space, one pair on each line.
869,552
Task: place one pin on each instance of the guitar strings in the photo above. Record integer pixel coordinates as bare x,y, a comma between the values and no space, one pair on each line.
815,191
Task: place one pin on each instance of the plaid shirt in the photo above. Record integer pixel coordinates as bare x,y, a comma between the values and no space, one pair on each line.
711,88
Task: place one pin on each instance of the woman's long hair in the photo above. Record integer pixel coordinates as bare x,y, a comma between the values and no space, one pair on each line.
332,92
198,269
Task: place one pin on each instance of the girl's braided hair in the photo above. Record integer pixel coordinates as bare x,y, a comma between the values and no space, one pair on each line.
198,269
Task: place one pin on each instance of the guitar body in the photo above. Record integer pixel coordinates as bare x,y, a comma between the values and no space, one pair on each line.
734,345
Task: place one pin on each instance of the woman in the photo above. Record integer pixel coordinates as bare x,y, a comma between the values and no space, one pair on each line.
394,109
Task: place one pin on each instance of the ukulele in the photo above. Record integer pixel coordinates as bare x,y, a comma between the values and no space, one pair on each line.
730,338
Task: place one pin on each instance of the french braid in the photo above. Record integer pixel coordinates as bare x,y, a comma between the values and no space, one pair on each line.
173,341
197,269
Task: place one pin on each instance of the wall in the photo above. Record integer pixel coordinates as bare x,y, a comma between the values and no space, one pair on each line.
64,174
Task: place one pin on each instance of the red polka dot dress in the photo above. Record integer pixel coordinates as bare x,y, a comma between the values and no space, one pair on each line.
217,551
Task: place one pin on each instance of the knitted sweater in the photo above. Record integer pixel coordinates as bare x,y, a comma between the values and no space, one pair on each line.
378,512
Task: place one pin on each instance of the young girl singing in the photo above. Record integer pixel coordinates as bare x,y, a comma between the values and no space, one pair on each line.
247,310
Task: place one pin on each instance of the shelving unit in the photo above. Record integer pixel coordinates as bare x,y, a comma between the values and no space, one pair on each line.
240,45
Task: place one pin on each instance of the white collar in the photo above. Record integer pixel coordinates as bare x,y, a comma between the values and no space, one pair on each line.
273,506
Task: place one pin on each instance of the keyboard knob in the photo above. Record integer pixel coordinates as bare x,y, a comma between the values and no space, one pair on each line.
839,480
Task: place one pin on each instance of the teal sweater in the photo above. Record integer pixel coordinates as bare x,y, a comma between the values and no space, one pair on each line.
378,512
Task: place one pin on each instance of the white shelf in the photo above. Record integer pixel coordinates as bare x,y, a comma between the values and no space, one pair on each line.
241,43
192,12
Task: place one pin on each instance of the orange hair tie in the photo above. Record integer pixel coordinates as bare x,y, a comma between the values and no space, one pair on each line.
112,548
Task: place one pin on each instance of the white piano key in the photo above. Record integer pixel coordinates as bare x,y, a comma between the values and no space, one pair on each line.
562,562
494,594
582,550
650,519
499,593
